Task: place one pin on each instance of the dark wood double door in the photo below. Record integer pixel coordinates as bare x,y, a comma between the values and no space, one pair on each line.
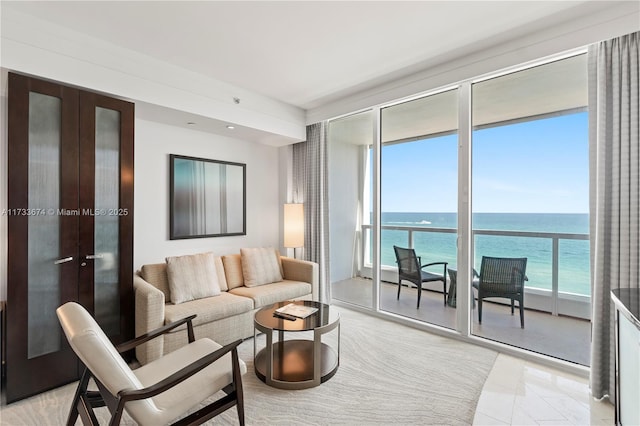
70,225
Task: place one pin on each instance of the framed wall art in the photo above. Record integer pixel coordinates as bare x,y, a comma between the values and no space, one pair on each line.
207,198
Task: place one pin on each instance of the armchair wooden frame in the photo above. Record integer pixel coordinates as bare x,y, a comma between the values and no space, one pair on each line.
84,400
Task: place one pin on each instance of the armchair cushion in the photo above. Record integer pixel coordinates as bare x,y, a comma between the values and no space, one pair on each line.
95,350
184,396
260,266
192,277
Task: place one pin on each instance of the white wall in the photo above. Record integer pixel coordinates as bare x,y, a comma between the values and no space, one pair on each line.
343,207
153,144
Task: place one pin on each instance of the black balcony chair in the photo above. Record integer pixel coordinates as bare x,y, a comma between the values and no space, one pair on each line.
411,269
502,277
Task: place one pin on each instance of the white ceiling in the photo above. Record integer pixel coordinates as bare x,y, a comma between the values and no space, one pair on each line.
305,53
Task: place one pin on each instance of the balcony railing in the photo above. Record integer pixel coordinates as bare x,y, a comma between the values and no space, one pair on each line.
549,298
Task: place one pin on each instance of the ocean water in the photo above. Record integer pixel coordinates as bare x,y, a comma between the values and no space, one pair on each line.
434,246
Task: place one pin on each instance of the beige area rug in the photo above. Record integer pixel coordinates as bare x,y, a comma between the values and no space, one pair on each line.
388,374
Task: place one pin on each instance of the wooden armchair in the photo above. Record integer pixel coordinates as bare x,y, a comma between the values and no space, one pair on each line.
160,392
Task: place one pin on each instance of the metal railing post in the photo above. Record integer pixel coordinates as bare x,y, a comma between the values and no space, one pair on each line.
554,276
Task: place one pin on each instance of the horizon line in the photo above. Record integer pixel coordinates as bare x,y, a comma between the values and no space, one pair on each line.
440,212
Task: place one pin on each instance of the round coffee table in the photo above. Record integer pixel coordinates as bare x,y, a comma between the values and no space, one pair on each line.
297,363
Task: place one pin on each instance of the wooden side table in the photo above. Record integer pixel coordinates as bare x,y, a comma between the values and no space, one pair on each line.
297,363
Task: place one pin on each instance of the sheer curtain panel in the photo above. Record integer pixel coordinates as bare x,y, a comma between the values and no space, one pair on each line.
317,205
614,194
310,178
298,179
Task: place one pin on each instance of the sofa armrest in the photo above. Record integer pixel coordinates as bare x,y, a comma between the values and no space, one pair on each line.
302,270
149,315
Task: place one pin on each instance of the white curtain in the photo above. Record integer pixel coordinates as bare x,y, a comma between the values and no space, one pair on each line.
614,192
298,179
310,186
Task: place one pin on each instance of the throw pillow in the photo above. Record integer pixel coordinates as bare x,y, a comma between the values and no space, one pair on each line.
233,270
260,266
222,279
192,277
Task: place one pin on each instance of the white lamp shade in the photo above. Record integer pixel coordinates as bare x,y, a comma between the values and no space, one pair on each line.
293,225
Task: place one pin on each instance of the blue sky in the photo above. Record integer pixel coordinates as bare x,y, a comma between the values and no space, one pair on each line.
539,166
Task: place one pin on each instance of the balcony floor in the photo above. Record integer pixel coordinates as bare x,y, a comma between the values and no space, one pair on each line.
562,337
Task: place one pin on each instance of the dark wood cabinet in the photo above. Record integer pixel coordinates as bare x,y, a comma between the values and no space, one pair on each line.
70,225
627,355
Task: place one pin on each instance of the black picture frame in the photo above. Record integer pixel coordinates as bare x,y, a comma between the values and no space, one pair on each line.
207,198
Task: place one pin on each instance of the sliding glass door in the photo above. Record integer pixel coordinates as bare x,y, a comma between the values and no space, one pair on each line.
350,140
495,167
530,200
418,199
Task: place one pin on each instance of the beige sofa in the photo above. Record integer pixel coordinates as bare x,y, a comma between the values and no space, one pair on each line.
227,315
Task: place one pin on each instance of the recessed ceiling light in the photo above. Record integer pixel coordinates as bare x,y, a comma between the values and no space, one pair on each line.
230,127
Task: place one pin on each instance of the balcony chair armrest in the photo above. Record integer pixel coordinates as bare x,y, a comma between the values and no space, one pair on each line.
520,272
183,374
131,344
434,263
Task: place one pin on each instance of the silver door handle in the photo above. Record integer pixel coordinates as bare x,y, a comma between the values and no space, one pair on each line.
63,260
94,256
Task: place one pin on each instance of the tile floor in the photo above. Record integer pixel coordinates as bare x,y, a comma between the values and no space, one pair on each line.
519,392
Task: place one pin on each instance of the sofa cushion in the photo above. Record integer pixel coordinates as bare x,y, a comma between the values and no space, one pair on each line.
192,277
233,270
222,280
156,275
260,266
268,294
209,309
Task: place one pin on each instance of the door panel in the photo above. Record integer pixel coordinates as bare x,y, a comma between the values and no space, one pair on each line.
70,225
44,258
106,196
42,255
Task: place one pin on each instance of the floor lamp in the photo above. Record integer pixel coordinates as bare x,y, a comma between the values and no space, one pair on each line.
294,227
